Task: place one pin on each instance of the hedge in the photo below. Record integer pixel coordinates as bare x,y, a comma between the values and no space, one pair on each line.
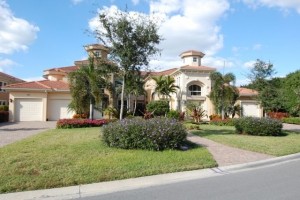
80,123
258,126
152,134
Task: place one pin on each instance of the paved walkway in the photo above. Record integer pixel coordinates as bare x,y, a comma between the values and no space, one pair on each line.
291,127
14,131
225,155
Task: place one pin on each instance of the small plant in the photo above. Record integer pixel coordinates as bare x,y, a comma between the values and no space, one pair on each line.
159,108
258,126
278,115
80,123
3,108
173,114
153,134
196,112
80,116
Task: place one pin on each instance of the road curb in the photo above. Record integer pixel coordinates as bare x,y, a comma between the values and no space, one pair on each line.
87,190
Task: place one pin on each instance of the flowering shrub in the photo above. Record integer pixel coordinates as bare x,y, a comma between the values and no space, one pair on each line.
80,123
291,120
224,122
277,115
152,134
258,126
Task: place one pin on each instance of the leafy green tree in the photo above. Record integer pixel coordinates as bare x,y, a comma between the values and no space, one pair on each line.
223,93
269,88
291,93
87,86
132,40
165,86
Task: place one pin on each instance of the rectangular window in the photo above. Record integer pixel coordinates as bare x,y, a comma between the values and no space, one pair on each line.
2,102
194,59
2,84
97,54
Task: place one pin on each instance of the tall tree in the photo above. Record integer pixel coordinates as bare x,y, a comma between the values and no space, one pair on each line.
291,93
223,94
165,86
132,39
87,85
260,76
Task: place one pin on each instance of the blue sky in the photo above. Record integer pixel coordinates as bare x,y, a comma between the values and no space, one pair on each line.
37,35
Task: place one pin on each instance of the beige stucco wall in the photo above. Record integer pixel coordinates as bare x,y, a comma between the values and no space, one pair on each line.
22,95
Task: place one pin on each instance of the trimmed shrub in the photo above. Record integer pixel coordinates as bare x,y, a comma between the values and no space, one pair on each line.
173,114
4,116
220,122
291,120
3,108
80,123
258,126
158,108
152,134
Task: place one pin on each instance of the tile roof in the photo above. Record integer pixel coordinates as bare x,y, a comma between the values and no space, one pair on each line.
200,68
40,85
247,92
12,77
161,73
67,69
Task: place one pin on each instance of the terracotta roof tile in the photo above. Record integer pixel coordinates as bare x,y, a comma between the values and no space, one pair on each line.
12,77
161,73
200,68
247,92
67,69
40,85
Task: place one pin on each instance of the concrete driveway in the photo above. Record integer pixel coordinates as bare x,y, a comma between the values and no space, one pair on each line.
13,131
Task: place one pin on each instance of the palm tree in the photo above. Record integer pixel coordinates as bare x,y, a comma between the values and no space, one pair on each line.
165,86
135,86
87,86
223,94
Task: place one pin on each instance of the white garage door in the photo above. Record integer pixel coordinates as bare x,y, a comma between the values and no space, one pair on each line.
58,109
250,109
30,109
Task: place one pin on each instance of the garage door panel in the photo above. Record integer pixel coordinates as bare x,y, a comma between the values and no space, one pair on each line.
58,109
250,110
30,109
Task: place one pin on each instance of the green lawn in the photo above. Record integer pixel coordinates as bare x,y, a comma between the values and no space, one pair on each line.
64,157
277,146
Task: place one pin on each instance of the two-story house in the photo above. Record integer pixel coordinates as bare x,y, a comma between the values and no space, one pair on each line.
48,99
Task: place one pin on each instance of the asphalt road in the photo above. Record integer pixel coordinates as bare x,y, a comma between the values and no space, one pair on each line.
276,182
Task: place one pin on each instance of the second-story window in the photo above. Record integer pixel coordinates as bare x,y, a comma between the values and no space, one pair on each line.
97,54
2,84
195,90
194,59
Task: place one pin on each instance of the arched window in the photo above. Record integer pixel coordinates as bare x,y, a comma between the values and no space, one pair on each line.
195,90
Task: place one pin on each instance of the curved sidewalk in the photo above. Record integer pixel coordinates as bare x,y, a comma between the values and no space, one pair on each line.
225,155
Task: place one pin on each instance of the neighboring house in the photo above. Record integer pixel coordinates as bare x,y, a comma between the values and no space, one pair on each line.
6,79
195,85
48,99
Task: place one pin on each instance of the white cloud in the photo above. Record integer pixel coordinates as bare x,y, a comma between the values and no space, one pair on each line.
6,64
135,2
38,78
15,33
249,64
281,4
75,2
257,47
186,25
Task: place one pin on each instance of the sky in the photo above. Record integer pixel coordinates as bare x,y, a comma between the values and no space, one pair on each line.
36,35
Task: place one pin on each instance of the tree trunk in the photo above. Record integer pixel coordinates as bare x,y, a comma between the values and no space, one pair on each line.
91,110
122,99
134,109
